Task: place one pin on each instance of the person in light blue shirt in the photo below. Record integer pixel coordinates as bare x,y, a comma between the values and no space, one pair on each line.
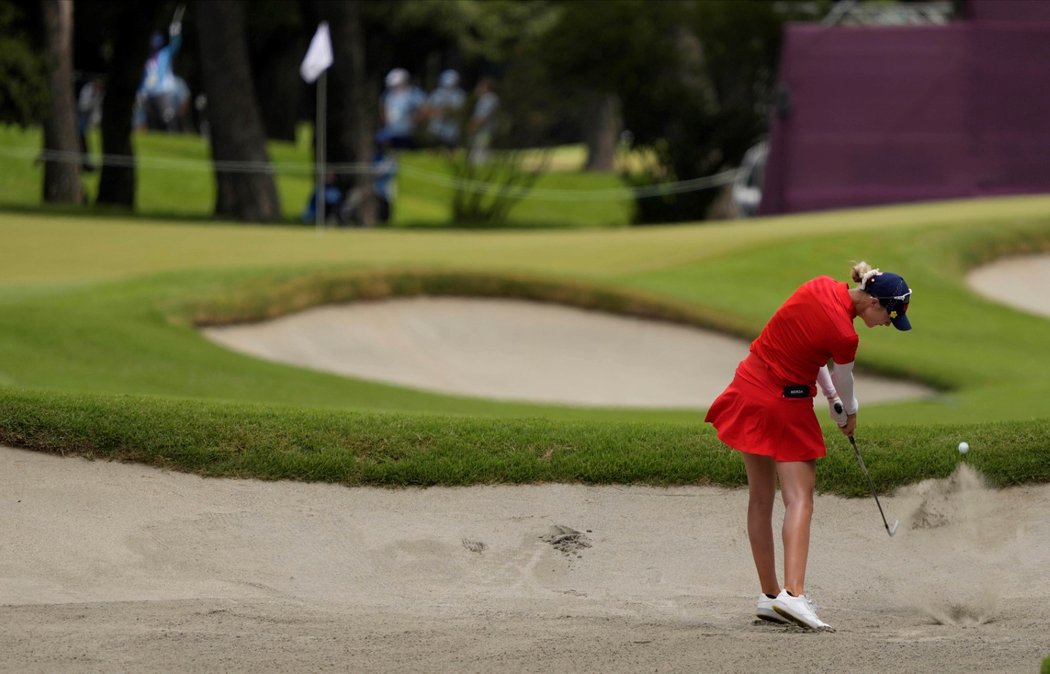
400,107
444,107
482,124
162,95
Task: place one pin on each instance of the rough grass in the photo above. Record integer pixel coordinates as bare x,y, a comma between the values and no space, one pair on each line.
399,449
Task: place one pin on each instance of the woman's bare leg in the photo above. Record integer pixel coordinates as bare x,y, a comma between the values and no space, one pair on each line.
797,480
761,485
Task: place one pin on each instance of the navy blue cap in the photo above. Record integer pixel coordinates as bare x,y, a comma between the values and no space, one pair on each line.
893,293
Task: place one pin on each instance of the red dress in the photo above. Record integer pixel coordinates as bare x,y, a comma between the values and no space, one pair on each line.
753,414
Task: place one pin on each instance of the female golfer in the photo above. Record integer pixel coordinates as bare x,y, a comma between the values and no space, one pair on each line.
767,414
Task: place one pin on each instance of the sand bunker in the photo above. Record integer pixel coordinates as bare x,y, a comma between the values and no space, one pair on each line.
514,350
121,567
1019,282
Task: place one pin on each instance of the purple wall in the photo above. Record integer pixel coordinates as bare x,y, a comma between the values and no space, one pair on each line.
1007,10
888,114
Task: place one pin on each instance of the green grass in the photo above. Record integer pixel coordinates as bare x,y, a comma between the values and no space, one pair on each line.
98,352
396,449
175,181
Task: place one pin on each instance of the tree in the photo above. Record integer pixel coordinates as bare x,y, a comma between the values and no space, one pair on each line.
700,117
601,130
61,165
23,72
130,26
605,53
277,40
237,133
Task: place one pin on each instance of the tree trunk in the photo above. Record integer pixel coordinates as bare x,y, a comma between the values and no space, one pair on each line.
278,74
131,26
350,132
237,133
61,169
603,123
275,51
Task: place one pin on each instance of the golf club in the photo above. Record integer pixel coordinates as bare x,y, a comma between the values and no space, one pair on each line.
889,529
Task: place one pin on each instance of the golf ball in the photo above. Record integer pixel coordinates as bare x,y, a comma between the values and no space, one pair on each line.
964,447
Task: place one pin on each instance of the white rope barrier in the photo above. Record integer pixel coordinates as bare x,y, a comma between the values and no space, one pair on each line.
362,168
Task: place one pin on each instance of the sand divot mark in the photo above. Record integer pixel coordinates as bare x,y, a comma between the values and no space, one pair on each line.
770,625
474,545
567,540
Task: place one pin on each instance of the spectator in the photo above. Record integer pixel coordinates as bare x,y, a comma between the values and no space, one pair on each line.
444,106
333,198
380,188
163,98
89,114
400,108
482,123
384,178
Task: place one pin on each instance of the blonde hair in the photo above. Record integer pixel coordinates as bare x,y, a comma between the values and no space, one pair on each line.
863,272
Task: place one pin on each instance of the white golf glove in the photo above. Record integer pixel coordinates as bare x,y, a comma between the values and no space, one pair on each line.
837,411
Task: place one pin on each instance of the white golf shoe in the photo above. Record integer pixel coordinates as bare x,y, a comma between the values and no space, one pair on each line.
764,610
799,610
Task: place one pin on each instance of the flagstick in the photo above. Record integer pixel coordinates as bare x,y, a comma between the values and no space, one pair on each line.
319,137
318,59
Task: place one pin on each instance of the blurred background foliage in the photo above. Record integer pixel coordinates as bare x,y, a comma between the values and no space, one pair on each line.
686,84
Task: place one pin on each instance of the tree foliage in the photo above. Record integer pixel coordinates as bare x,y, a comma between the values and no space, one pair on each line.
700,116
23,70
610,45
604,55
695,79
692,80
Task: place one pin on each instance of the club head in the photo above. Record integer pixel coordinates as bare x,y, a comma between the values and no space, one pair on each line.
892,529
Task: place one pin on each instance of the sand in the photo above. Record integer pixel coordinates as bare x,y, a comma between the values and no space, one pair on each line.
120,567
515,350
1020,282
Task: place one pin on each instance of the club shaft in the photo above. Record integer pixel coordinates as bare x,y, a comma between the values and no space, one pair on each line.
871,485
